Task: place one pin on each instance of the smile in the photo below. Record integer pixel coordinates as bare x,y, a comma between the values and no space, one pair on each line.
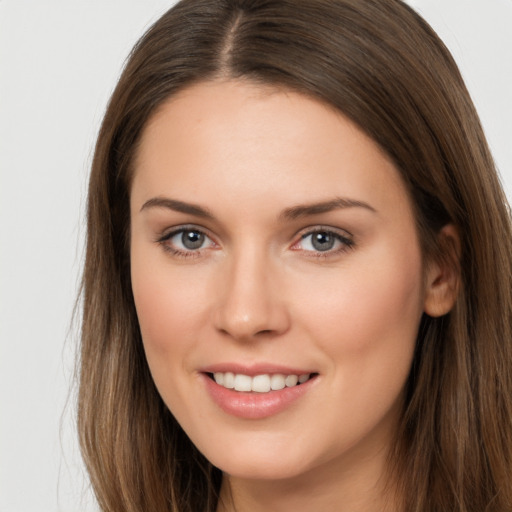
263,383
258,395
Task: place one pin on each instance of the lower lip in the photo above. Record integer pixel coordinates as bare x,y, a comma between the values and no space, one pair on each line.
255,405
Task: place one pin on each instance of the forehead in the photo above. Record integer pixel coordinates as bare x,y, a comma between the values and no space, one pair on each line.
240,138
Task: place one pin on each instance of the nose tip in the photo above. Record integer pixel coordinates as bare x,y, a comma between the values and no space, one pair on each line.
251,305
247,326
243,326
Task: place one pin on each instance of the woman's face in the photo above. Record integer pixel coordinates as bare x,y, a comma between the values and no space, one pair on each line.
273,242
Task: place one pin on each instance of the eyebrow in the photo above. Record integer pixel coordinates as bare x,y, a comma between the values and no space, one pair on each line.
298,211
292,213
177,206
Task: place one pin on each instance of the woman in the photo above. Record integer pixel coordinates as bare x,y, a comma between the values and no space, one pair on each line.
297,290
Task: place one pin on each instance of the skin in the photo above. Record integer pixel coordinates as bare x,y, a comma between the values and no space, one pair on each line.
257,290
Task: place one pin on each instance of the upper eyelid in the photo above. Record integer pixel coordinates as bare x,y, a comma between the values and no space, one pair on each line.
322,228
169,232
344,237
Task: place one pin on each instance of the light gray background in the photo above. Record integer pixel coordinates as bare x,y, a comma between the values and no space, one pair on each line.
59,61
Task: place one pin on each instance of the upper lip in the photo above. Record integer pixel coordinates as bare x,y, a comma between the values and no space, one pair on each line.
254,369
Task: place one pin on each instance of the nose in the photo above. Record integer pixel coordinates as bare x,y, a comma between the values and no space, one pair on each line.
251,300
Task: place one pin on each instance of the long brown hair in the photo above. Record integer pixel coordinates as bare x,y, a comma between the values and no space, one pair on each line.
381,65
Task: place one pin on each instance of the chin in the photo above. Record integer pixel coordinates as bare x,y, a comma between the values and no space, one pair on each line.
260,464
255,470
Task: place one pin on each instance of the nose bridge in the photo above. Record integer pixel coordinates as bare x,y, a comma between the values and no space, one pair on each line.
250,303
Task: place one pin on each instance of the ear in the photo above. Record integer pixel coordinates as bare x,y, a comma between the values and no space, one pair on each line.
443,274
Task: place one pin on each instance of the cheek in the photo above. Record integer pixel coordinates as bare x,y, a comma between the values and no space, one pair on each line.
167,305
170,314
370,310
366,321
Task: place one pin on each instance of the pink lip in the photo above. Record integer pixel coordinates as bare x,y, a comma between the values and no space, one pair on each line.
255,405
254,369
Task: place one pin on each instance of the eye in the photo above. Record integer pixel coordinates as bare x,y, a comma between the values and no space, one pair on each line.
186,241
323,241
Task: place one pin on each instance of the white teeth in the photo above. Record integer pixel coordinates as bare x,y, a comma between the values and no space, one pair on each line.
277,382
229,380
243,382
291,380
259,383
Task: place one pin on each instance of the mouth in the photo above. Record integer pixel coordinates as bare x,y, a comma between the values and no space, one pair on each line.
254,394
262,383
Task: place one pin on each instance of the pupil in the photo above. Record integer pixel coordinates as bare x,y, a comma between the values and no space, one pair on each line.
323,241
192,239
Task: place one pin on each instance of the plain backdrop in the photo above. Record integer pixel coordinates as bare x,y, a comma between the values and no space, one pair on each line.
59,61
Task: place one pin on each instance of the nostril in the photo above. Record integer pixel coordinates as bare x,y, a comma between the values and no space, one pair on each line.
245,319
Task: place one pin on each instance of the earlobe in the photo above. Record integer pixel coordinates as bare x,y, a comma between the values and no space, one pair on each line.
443,275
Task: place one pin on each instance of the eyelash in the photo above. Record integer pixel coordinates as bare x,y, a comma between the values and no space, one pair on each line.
180,253
346,242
